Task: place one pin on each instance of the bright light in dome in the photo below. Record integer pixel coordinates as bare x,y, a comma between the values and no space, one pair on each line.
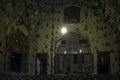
63,30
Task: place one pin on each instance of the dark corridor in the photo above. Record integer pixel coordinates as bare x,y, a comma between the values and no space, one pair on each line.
15,62
103,63
41,64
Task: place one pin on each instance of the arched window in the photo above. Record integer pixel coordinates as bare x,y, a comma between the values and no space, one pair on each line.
73,55
72,14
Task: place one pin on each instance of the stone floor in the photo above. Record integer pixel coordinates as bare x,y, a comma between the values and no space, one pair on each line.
80,77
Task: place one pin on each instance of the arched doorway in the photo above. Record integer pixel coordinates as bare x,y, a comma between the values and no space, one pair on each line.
17,47
73,55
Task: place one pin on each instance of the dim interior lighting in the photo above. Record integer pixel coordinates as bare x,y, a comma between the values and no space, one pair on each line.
63,30
80,50
65,52
16,40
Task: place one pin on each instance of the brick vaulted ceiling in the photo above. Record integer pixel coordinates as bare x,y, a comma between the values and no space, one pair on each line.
18,7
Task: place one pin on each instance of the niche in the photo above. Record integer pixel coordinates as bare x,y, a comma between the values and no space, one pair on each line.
72,14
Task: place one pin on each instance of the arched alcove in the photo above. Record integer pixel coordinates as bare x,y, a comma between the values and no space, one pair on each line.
72,14
73,55
17,47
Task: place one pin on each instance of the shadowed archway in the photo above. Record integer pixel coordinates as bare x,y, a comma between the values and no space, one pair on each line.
73,55
17,49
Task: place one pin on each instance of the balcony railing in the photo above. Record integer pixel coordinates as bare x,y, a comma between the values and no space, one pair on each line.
80,77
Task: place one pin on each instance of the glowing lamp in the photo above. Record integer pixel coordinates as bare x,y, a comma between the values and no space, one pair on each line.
63,30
